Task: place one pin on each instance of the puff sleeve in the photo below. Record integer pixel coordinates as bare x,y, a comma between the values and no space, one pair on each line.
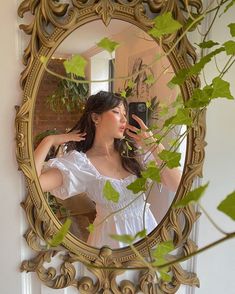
75,172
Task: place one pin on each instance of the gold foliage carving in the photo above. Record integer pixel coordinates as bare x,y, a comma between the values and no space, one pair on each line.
50,21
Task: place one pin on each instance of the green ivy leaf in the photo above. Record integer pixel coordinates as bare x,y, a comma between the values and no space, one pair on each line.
159,254
171,158
141,234
164,276
197,67
207,44
229,47
221,89
200,98
178,102
228,6
91,228
148,104
152,172
60,235
110,193
232,29
128,239
181,76
108,44
123,93
227,206
164,111
131,84
192,197
150,80
138,185
76,65
162,249
182,117
163,25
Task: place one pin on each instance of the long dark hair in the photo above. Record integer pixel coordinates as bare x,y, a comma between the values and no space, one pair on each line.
99,103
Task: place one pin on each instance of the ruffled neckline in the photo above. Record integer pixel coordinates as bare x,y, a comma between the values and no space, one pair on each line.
103,176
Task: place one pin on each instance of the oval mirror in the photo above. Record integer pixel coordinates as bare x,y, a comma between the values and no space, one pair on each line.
59,105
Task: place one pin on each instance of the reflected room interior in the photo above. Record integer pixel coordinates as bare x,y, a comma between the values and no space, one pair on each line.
57,107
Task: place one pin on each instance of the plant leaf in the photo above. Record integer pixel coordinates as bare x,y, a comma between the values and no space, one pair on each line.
199,98
181,76
150,80
138,185
221,89
164,276
163,25
227,206
171,158
229,47
163,248
207,44
182,117
60,235
152,172
128,239
141,234
228,6
110,193
232,29
76,65
108,44
192,197
91,228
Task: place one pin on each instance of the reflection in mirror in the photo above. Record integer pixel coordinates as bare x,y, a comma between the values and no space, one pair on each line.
58,109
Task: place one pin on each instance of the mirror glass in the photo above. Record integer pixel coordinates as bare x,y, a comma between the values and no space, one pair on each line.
57,108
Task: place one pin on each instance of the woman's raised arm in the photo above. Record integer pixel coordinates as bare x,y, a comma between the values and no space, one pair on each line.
52,178
170,177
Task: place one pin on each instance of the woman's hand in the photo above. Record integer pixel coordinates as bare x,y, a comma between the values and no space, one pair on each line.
142,136
43,148
64,138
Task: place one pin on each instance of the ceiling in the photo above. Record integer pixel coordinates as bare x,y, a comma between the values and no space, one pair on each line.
88,35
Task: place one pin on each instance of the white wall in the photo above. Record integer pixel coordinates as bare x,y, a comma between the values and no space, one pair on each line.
215,268
11,182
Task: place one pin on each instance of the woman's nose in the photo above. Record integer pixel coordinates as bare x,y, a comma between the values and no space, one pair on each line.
123,118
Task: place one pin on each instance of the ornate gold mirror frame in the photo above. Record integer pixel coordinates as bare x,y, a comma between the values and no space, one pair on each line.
52,22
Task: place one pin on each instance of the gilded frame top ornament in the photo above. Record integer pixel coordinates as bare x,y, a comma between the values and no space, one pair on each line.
51,23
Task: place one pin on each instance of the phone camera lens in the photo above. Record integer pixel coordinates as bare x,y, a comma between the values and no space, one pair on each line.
141,107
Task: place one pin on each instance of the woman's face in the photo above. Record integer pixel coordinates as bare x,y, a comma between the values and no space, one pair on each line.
112,123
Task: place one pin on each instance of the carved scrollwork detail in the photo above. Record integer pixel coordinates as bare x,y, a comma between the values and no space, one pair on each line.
48,16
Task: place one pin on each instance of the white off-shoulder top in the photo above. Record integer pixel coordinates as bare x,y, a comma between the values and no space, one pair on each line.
80,175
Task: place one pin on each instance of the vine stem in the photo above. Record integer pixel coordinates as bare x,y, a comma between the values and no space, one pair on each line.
211,220
175,261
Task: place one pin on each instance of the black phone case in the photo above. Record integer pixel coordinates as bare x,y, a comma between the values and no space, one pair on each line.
139,109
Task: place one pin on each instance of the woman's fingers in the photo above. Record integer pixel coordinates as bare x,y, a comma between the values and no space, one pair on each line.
140,122
133,135
132,128
76,136
64,138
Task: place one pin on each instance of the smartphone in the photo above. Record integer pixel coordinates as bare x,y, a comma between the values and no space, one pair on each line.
139,109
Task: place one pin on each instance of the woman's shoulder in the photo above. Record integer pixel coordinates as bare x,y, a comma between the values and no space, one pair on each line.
74,154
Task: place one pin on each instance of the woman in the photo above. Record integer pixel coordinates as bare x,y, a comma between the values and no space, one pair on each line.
100,154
